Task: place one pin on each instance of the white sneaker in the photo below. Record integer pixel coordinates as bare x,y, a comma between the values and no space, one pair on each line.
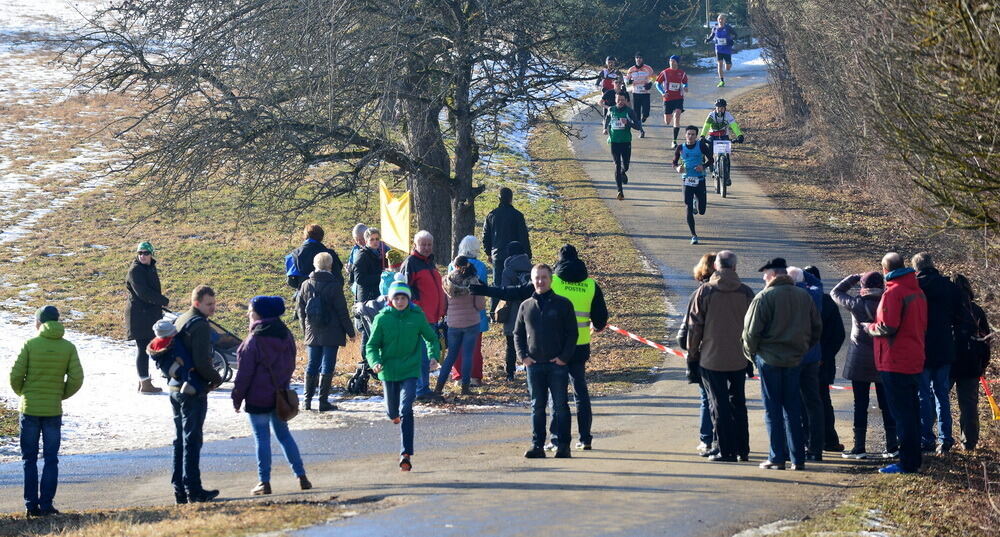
694,239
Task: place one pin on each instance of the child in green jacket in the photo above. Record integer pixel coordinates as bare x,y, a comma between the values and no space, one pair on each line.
394,352
46,371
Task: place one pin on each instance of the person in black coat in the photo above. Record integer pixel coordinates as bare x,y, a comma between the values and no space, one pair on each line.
145,307
504,225
830,341
947,323
366,272
971,358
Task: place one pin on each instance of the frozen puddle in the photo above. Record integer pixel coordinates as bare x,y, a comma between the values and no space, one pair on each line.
108,415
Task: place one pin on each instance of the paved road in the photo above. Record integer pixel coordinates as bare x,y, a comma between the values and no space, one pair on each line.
642,478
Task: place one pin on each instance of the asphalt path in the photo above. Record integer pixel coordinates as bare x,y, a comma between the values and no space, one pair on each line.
643,476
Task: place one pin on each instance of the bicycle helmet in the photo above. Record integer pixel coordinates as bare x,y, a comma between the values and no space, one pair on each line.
720,102
610,58
675,58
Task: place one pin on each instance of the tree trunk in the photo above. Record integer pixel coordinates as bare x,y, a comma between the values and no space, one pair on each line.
430,189
463,201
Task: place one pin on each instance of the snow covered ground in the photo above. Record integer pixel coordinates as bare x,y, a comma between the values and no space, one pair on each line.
743,59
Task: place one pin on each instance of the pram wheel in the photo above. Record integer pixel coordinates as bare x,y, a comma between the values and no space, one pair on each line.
358,384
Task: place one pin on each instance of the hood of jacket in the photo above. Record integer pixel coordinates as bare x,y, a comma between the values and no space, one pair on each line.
906,279
325,276
521,263
780,279
271,327
726,280
51,330
571,270
457,283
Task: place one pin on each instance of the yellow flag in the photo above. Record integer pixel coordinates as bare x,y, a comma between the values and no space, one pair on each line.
394,218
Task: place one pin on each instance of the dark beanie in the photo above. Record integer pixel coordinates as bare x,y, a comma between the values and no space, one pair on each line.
514,248
872,280
812,269
268,307
567,253
45,314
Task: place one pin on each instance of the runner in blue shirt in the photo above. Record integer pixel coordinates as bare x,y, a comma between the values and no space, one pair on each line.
724,37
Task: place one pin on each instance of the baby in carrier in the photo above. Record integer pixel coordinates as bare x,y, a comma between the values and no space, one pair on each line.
173,359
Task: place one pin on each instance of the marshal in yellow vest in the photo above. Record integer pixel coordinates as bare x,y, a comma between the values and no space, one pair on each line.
581,294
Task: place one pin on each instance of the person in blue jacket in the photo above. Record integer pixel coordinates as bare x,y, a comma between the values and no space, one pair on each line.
813,420
724,37
299,263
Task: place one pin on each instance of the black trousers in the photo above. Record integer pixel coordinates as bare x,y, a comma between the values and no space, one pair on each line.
142,358
511,356
640,102
728,404
689,193
622,153
831,438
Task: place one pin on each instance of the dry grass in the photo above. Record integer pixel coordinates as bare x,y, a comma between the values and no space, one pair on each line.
217,519
8,421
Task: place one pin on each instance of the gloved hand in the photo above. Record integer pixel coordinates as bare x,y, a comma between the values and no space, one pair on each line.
649,85
682,342
478,289
739,139
749,370
694,373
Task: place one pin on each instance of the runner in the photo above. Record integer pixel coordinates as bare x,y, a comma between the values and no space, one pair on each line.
621,120
606,78
640,76
610,96
697,155
724,37
672,83
719,124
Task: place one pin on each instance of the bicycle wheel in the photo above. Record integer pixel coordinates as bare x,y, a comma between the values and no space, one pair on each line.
718,181
725,173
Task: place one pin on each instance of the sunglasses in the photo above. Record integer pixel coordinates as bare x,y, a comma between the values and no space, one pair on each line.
142,253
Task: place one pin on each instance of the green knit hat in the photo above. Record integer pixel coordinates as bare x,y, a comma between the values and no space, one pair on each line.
398,288
145,246
395,258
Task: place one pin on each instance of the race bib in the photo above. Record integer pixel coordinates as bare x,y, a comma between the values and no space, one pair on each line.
721,41
722,146
639,77
674,86
619,123
690,180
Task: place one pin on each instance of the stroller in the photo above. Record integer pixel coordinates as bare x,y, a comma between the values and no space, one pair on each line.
364,314
224,344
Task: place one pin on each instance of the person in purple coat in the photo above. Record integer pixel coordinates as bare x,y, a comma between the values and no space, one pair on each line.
266,360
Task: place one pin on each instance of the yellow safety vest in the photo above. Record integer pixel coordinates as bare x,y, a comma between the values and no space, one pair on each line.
581,294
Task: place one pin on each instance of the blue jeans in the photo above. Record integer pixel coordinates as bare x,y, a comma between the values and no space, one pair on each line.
545,378
399,396
262,425
934,387
189,420
423,385
49,428
901,391
706,433
779,387
581,395
322,359
461,343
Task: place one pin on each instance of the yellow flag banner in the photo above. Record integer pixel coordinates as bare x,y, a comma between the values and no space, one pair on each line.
394,221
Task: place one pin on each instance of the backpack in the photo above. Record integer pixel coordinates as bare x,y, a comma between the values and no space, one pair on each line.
316,311
524,278
177,364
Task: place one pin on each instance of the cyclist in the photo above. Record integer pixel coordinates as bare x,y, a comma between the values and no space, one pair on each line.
621,120
606,78
640,76
719,124
672,83
724,37
693,157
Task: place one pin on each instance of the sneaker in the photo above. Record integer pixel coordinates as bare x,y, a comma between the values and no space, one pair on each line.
694,204
48,511
535,453
944,448
855,453
624,178
798,467
621,195
261,489
550,447
719,457
893,469
694,239
584,446
404,463
709,453
673,145
768,465
32,512
703,447
642,134
890,454
743,458
721,84
202,496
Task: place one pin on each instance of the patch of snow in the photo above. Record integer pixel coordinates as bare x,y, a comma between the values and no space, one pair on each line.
743,59
96,246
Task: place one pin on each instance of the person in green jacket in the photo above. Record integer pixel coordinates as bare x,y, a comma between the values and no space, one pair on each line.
620,120
393,351
47,370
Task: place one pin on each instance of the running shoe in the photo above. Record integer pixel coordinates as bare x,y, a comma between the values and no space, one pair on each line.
856,453
893,469
642,134
694,239
694,204
624,178
621,195
721,84
673,145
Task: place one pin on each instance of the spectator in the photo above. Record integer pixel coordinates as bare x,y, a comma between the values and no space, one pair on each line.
266,361
195,334
395,353
708,443
46,371
464,311
300,261
144,308
366,269
424,282
358,237
947,323
504,225
829,343
469,248
716,354
812,418
781,325
326,326
516,272
394,260
545,345
899,330
972,357
859,368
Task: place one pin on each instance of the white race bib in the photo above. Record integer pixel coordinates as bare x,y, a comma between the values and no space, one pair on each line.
721,41
722,146
674,86
619,123
639,77
691,180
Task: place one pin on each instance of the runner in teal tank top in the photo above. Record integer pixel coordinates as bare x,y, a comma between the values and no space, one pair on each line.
696,155
618,125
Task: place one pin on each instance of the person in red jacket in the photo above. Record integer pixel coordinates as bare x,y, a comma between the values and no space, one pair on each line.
424,280
899,327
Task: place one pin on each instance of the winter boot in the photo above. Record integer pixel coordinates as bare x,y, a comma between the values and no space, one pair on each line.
311,382
466,389
324,392
304,483
441,381
146,386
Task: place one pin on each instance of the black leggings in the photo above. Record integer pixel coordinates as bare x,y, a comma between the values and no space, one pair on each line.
641,103
689,193
141,358
622,152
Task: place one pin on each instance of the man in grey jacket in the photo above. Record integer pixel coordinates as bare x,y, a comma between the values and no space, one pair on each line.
781,324
715,327
545,339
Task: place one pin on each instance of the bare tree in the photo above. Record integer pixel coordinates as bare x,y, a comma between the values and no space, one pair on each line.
293,103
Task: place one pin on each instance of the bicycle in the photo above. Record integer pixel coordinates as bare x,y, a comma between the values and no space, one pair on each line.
721,148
